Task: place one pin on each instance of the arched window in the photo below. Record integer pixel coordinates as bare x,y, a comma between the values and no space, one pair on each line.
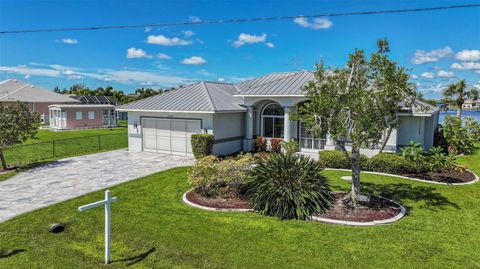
272,120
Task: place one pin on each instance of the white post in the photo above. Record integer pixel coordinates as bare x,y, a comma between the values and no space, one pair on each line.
286,124
107,227
249,129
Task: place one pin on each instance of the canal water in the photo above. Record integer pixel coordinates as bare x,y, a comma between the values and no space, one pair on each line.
465,113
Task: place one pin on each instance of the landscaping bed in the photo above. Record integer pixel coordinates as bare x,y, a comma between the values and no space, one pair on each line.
377,208
445,176
236,202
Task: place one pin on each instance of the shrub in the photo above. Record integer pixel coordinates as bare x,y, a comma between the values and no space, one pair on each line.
439,161
393,164
290,147
276,144
458,138
202,145
260,144
212,177
473,127
337,159
413,151
289,187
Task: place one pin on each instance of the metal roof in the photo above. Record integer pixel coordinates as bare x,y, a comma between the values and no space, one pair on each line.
198,97
12,90
276,84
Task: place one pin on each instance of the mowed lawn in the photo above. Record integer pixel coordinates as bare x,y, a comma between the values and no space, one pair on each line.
152,228
67,143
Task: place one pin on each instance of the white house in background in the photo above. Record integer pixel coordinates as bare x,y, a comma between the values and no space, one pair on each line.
82,116
470,103
236,113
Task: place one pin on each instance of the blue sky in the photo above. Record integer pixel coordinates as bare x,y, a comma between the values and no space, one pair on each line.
438,46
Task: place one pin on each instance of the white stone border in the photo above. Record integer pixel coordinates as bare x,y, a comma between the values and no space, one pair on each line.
400,215
412,178
186,201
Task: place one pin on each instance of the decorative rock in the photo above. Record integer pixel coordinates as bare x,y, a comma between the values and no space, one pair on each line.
56,228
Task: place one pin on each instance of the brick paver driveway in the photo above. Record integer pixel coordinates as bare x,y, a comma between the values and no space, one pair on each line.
76,176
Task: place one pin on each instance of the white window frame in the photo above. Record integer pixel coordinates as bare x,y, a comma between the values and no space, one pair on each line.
270,116
79,115
91,115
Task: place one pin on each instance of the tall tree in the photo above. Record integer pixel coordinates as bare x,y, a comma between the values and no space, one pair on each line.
357,103
457,92
17,124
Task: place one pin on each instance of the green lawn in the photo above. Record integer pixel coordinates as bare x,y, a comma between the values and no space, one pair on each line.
67,143
152,228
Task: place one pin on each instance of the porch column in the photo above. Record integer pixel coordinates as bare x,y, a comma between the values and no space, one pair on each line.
248,142
286,124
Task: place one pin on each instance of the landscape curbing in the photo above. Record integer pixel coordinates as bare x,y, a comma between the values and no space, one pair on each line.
188,202
412,178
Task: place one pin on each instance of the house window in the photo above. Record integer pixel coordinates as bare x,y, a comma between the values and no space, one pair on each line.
79,115
91,115
272,121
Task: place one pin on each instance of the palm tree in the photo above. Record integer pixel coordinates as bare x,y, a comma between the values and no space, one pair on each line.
457,93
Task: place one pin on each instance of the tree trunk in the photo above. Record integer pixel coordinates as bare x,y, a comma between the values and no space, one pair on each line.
385,140
2,159
355,161
459,109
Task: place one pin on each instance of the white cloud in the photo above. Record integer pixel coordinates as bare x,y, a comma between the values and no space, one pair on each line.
166,41
188,33
251,39
414,76
30,71
427,75
468,55
466,66
445,74
316,24
194,60
270,45
221,79
71,41
27,76
421,56
137,53
163,56
194,19
148,29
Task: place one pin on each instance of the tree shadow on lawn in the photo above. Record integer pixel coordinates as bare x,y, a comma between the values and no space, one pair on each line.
400,192
136,259
5,254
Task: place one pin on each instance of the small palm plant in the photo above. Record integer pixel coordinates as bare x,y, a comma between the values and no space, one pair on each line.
289,187
439,161
413,151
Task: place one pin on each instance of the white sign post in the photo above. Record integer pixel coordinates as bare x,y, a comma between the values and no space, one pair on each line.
108,200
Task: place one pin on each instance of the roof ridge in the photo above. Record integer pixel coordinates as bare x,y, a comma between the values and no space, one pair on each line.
209,95
14,91
217,82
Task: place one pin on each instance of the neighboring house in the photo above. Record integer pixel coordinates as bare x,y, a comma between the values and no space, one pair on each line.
470,103
94,99
64,117
37,99
236,113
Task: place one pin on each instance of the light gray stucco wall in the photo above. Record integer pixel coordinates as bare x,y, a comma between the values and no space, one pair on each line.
430,126
411,128
231,128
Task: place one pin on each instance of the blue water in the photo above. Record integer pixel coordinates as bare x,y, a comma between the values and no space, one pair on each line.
471,113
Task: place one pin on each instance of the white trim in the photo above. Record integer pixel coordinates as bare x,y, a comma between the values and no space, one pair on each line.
186,201
178,111
270,116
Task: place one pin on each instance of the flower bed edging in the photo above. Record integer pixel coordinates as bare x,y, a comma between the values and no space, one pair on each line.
366,223
412,178
188,202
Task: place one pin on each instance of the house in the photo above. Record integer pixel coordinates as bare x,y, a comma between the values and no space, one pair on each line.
471,104
78,116
236,113
36,98
94,99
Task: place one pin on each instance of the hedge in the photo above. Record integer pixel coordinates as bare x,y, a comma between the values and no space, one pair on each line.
337,159
393,164
202,145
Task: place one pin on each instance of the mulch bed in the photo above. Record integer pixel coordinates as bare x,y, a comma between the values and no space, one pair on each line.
376,209
218,202
446,176
9,169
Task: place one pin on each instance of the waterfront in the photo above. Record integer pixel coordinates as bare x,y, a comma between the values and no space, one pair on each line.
465,113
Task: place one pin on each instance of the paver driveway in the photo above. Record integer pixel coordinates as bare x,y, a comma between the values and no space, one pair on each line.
76,176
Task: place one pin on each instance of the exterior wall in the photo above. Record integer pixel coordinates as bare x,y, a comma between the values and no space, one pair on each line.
73,123
135,125
229,128
431,124
411,128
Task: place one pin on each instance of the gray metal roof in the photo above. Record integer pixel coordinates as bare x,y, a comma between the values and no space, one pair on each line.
198,97
12,90
274,84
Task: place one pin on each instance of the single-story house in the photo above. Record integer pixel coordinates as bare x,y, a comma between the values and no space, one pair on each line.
471,103
37,99
73,116
236,113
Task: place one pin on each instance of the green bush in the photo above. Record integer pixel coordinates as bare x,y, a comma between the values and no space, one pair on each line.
290,147
439,161
457,137
337,159
413,152
212,177
473,127
289,187
276,144
393,164
202,145
260,144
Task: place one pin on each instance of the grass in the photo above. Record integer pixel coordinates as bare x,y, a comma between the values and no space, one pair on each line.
152,228
67,143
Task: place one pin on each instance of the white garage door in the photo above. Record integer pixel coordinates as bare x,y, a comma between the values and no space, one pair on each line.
170,136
